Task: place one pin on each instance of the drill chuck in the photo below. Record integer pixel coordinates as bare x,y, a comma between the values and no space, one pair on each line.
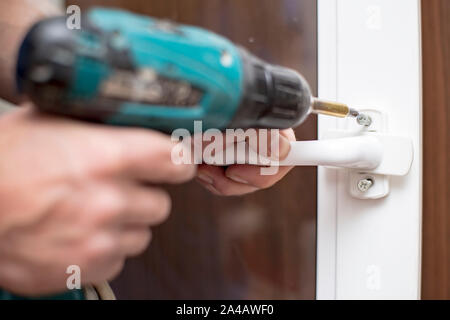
274,96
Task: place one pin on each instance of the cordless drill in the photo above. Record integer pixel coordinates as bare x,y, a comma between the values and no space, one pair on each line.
125,69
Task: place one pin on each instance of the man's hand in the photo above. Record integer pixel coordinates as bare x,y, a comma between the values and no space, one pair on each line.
73,193
241,179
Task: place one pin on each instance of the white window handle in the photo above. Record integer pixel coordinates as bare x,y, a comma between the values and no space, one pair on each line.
371,152
361,152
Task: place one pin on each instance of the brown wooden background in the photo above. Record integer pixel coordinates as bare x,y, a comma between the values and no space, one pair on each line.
436,149
258,246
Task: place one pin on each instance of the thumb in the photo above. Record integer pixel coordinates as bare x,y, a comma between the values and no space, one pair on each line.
272,144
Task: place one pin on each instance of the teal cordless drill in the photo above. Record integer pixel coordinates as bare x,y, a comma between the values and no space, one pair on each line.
125,69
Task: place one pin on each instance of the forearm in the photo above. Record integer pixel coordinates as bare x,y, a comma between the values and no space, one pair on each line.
15,18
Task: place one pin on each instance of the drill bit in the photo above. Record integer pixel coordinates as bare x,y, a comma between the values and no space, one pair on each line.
340,110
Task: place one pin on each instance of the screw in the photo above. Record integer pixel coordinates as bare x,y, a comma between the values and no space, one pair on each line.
364,120
365,184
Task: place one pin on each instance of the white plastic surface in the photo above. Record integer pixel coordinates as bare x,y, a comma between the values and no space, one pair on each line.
395,156
363,152
369,151
359,152
369,57
379,189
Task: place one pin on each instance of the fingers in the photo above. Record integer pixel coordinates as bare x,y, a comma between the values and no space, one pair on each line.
146,205
243,179
123,203
146,155
121,219
134,240
251,175
290,135
273,144
214,179
237,179
132,153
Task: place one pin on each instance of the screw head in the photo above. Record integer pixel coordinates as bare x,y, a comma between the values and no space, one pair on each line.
364,120
365,184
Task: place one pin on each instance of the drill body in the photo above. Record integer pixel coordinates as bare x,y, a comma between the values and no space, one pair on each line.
125,69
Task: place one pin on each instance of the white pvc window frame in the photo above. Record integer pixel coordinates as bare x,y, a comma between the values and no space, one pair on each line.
369,55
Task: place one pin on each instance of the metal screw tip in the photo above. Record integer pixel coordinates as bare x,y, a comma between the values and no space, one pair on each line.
364,120
365,184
